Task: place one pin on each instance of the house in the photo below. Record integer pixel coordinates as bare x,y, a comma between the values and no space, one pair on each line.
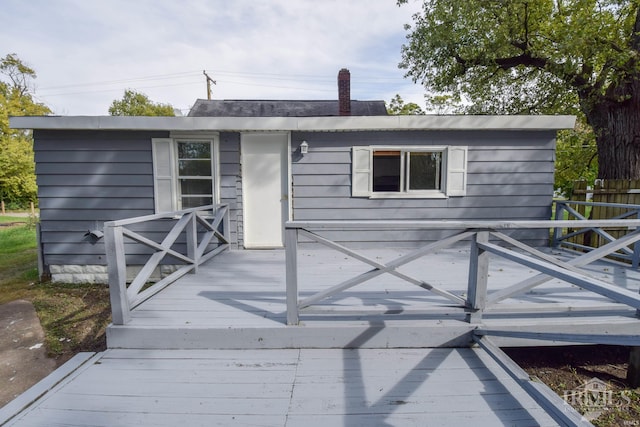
272,161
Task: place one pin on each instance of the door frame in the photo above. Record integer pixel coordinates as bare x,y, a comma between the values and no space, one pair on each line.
285,175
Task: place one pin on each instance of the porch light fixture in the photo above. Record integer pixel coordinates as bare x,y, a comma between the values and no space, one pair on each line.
304,147
93,236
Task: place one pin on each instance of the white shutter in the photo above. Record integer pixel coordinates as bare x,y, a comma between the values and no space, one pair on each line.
163,175
456,171
361,172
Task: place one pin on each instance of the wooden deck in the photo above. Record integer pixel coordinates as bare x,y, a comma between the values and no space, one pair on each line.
214,349
295,387
237,301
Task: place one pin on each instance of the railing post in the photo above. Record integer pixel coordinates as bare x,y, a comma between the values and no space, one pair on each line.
291,256
633,371
225,224
557,232
478,274
117,270
192,241
635,260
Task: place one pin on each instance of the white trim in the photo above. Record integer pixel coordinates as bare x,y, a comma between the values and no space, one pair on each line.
358,188
434,194
317,124
289,180
456,170
157,145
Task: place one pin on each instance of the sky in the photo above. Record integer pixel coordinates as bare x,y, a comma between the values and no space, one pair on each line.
87,52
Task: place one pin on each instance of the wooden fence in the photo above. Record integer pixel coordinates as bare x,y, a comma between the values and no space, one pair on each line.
610,197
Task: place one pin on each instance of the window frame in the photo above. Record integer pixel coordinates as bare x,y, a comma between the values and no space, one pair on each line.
452,174
171,170
178,178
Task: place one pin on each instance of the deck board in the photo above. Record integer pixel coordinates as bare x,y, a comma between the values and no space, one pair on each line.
365,387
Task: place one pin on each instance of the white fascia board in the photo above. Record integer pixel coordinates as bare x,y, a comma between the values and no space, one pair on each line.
311,124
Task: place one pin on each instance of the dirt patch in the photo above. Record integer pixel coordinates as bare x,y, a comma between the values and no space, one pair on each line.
23,353
74,317
567,370
10,224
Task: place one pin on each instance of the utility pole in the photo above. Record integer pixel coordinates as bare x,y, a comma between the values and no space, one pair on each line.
209,81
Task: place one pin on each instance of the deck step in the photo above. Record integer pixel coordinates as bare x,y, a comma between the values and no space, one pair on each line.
326,335
332,334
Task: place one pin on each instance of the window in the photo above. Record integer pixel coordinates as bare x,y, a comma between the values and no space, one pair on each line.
406,171
419,171
194,174
184,173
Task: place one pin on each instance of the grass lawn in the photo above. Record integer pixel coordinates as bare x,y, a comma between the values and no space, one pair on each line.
73,316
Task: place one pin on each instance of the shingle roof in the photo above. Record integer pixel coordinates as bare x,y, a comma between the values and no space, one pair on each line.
282,108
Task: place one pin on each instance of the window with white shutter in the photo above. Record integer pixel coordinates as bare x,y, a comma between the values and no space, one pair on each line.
184,173
409,171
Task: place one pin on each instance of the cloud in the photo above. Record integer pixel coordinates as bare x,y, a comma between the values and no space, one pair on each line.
87,53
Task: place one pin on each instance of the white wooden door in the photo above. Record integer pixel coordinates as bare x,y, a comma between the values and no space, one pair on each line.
265,188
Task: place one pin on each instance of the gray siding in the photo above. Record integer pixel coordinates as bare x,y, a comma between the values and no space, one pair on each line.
229,177
509,176
86,178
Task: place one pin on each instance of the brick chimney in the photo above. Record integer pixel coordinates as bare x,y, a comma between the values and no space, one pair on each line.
344,92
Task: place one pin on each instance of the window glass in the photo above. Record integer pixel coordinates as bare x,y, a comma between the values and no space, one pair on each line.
195,201
387,170
194,167
194,150
196,186
404,171
194,174
424,170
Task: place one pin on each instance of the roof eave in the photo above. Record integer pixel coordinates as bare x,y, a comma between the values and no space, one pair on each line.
311,124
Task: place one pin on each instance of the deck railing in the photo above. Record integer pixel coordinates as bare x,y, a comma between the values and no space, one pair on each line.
483,238
205,230
588,238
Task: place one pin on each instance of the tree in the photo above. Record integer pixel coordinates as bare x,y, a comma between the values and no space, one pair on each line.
138,104
17,171
442,104
576,158
538,56
397,107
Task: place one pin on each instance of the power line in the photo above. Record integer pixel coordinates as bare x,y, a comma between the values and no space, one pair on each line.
117,89
323,83
189,74
133,79
308,89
